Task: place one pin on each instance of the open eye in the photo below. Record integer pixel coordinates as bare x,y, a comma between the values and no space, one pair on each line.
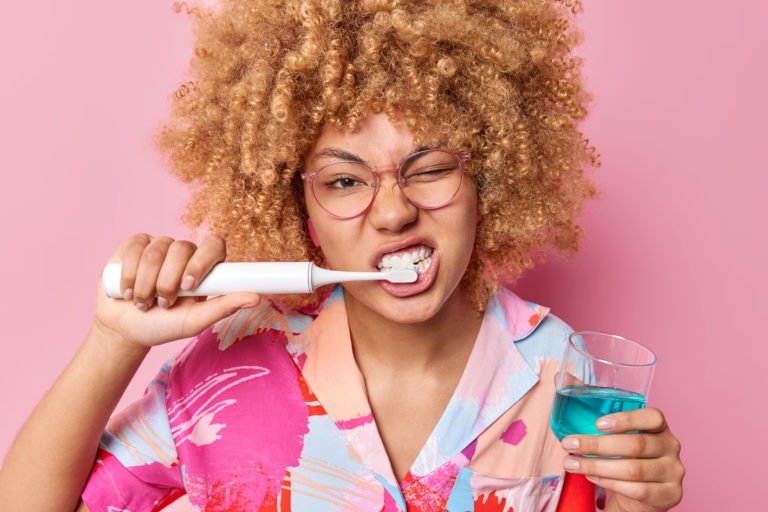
342,182
345,177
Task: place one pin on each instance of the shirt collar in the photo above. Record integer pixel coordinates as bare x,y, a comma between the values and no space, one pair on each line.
495,378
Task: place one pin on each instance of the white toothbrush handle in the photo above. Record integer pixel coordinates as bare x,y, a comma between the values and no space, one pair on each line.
258,277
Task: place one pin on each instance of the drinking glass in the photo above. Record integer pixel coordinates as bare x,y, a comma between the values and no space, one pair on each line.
601,374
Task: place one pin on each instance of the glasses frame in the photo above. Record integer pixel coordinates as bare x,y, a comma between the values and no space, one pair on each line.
460,156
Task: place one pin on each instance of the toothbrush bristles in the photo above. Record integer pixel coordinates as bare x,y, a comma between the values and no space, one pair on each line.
402,276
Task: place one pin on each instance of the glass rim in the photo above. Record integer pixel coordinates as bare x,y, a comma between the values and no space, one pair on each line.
460,156
593,357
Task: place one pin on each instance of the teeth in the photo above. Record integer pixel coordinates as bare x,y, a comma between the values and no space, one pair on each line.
417,259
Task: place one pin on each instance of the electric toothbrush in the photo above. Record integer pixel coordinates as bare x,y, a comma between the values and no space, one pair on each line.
265,277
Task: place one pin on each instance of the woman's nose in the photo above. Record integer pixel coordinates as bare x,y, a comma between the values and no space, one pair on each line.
391,210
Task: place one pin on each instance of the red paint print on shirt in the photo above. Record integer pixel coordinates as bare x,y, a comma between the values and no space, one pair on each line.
168,499
313,404
282,501
420,497
491,503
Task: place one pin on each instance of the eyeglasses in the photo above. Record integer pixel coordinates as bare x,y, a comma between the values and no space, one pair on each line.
429,179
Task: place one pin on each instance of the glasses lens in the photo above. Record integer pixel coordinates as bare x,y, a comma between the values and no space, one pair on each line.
431,178
344,189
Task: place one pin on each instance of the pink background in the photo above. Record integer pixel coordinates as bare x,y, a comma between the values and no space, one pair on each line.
675,253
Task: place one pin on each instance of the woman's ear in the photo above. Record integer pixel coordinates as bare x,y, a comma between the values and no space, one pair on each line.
312,233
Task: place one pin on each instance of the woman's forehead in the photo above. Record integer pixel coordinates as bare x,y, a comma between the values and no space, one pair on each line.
375,135
379,127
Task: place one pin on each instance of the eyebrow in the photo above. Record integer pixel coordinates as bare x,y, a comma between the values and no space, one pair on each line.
339,154
342,154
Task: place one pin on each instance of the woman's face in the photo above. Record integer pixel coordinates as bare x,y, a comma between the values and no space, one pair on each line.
438,241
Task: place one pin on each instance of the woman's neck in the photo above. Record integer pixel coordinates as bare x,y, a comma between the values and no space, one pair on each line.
447,336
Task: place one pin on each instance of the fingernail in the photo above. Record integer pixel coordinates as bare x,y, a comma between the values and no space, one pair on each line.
593,479
571,464
249,306
162,302
571,443
141,306
188,282
605,424
128,294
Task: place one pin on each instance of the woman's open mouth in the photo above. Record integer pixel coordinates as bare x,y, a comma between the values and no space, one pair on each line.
421,258
417,258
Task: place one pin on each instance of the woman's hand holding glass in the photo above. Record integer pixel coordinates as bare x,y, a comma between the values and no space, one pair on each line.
639,463
154,269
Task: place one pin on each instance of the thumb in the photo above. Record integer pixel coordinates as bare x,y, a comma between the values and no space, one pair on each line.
206,313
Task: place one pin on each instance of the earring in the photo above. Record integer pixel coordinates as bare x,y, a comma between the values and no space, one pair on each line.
312,233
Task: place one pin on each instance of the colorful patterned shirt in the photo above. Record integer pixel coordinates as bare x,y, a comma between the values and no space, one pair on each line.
268,411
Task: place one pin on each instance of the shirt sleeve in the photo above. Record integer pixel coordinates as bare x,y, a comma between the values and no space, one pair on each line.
137,466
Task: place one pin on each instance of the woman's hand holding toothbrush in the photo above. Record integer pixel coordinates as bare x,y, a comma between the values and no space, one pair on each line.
153,271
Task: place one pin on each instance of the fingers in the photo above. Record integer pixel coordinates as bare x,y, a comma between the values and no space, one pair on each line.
648,495
630,470
155,268
129,253
634,434
172,272
659,496
640,446
647,420
150,263
639,459
204,314
211,251
640,434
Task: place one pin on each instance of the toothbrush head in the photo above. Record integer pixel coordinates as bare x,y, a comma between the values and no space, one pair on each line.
402,276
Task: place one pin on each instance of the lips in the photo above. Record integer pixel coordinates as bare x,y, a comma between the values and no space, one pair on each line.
423,282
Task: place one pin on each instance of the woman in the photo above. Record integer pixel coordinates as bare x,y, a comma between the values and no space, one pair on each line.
359,135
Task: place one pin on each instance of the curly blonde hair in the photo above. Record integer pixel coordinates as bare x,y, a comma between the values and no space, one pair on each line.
497,78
